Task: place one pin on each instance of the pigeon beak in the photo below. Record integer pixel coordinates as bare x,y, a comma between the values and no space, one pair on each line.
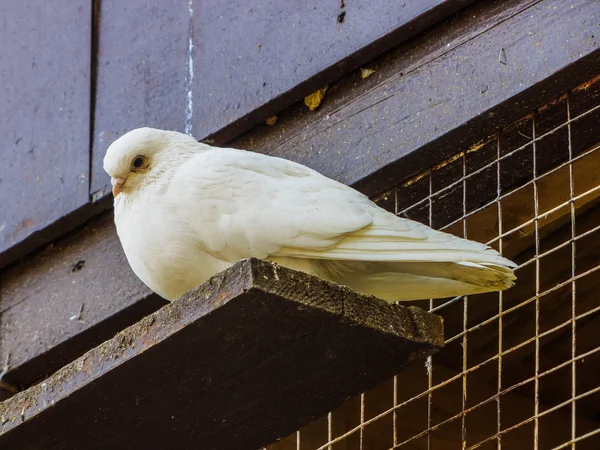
117,185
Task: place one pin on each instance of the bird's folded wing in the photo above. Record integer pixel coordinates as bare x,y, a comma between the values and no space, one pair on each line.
243,204
380,241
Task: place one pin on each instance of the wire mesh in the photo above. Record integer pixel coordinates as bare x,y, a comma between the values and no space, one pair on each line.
520,368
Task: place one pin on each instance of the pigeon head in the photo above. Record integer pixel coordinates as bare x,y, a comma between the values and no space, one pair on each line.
139,157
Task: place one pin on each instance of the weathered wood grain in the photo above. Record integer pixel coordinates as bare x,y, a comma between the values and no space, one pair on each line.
441,92
44,111
68,298
257,343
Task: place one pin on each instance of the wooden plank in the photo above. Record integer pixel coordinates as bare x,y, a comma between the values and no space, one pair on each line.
44,105
204,370
440,92
67,299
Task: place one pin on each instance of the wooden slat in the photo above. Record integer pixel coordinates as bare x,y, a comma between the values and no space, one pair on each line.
256,344
249,60
68,299
441,92
44,110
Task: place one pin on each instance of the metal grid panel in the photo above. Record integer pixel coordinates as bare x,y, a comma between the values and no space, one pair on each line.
520,368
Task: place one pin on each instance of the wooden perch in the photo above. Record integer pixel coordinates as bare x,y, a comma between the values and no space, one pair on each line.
250,356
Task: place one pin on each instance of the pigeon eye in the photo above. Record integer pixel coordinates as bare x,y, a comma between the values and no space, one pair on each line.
138,162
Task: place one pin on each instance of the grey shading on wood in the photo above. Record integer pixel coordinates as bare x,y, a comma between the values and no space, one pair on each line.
248,60
44,114
256,344
441,92
67,299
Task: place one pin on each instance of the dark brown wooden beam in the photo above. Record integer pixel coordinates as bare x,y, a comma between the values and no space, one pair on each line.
257,343
440,93
293,50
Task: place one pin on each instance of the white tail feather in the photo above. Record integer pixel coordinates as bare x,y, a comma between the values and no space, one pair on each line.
421,280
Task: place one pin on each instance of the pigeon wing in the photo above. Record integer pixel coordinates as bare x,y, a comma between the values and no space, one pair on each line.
242,204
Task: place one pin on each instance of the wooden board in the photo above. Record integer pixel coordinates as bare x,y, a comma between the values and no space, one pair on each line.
68,299
44,106
256,344
441,92
218,68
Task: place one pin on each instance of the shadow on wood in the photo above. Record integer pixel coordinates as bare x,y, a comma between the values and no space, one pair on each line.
248,357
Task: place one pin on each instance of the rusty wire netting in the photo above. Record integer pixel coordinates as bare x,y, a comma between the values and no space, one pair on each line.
520,369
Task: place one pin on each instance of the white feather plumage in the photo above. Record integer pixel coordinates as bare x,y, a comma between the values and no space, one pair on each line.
193,210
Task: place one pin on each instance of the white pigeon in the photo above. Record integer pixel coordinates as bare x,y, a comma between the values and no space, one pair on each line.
185,211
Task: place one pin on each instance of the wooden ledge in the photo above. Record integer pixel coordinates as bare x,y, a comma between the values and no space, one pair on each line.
250,356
